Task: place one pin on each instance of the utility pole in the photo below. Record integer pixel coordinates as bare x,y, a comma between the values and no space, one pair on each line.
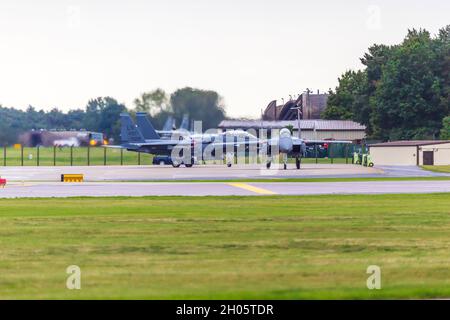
299,114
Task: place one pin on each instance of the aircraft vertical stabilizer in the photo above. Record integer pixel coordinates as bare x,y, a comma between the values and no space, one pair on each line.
146,127
129,133
185,123
169,125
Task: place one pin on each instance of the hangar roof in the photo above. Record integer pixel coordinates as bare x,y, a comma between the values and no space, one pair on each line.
409,143
335,125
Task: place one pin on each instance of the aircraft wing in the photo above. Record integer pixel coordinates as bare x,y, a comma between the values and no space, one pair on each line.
164,131
235,144
134,145
326,141
297,141
162,143
174,132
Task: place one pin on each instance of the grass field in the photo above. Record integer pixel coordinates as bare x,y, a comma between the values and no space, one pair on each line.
441,169
62,157
226,247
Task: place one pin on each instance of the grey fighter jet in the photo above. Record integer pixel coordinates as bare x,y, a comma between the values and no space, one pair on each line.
287,145
149,141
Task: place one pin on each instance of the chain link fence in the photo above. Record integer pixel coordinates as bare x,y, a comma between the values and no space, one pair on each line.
97,156
333,153
72,156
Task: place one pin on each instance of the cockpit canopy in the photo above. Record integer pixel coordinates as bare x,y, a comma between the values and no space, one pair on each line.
285,132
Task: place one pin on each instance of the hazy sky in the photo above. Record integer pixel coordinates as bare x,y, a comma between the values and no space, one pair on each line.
61,53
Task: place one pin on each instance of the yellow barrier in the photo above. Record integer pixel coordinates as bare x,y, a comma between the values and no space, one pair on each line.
72,178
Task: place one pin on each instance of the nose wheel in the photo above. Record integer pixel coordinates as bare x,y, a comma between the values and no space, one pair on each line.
298,162
269,162
229,159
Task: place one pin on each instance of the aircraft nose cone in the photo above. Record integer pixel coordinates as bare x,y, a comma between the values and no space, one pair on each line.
286,145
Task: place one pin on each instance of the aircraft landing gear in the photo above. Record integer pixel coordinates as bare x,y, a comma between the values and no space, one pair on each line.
176,164
230,159
285,159
191,164
298,162
269,162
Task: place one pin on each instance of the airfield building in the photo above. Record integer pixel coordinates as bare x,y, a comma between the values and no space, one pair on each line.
311,104
48,138
310,129
412,153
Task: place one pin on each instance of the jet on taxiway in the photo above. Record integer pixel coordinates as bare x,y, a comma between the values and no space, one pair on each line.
144,138
149,141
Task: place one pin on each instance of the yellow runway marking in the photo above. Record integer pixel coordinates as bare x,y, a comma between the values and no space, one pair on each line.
251,188
19,184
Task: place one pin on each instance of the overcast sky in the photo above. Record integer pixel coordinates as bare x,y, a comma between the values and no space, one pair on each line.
61,53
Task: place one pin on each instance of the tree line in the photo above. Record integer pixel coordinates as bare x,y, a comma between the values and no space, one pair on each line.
403,90
102,114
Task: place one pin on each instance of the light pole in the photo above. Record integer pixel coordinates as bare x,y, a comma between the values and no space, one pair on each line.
299,114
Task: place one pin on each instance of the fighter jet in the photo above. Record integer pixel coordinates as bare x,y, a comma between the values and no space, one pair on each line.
229,139
149,141
287,145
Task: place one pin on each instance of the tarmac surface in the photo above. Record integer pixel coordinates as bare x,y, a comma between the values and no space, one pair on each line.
156,181
93,189
206,172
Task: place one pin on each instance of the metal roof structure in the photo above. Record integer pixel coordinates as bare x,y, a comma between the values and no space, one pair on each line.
311,104
322,125
409,143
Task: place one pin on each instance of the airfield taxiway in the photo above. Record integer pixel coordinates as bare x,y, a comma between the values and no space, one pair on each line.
106,189
168,181
206,172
